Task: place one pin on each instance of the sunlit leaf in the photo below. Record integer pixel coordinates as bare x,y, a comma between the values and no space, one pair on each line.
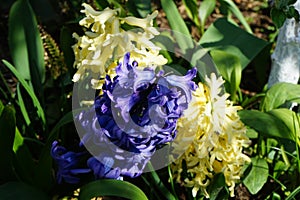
258,175
223,35
181,32
205,10
109,187
265,124
280,93
289,118
192,10
29,90
230,68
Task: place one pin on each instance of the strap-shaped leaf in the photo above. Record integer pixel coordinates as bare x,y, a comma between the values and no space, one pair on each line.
109,187
235,10
181,32
25,43
7,135
31,93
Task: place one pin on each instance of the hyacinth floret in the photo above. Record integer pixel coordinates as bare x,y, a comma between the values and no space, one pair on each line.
135,115
68,163
213,137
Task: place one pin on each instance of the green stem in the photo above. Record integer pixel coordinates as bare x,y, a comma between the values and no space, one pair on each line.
159,184
172,182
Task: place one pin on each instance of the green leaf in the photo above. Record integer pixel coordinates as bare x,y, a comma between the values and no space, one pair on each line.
25,43
258,175
143,7
43,174
204,63
31,93
1,107
205,10
279,168
216,186
109,187
223,35
265,124
181,32
23,162
291,12
22,106
158,184
167,44
278,17
7,135
275,98
293,193
289,118
251,133
191,8
19,190
230,68
236,11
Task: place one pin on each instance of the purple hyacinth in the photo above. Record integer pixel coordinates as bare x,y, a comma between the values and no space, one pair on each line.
68,163
135,116
138,112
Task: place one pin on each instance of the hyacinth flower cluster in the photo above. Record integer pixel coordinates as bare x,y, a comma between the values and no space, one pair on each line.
105,43
135,115
213,138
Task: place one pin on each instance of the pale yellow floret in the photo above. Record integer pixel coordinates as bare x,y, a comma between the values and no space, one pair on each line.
105,43
216,138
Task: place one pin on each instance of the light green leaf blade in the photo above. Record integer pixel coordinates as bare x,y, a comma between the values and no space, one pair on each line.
236,11
191,8
289,118
181,32
31,93
275,98
230,68
109,187
258,175
223,35
265,123
22,106
205,10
